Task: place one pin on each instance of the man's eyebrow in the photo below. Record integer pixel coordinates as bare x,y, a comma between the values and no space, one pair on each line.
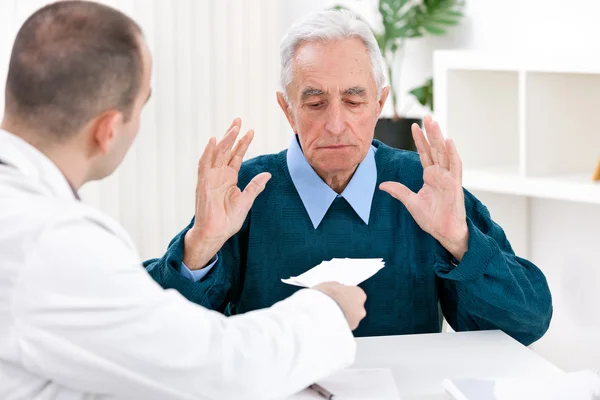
310,91
355,91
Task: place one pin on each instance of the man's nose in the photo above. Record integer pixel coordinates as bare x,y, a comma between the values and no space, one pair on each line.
335,119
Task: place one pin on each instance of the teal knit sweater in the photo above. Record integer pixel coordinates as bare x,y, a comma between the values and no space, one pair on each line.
490,288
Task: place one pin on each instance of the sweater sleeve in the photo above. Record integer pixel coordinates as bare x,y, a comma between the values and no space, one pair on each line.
220,288
221,284
492,288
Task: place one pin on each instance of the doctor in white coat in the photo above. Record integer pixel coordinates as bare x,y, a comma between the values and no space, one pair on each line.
79,316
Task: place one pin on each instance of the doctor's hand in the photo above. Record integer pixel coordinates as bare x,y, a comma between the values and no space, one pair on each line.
351,300
221,207
439,207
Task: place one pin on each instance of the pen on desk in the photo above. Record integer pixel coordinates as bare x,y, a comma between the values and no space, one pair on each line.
322,391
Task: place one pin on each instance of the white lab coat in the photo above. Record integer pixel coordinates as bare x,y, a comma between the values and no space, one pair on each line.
81,319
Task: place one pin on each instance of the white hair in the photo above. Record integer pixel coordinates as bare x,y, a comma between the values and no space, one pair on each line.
327,26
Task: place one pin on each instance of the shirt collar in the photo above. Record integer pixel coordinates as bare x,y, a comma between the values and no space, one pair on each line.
317,196
17,153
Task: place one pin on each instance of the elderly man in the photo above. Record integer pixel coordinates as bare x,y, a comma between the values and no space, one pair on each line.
336,192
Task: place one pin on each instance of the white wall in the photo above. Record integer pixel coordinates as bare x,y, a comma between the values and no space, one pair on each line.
213,61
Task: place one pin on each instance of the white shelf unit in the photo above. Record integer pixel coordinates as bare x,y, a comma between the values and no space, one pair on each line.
530,126
527,128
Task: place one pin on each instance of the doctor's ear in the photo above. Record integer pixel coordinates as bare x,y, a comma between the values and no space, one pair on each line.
106,128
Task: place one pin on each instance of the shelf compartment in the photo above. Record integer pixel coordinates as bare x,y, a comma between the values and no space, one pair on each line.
483,116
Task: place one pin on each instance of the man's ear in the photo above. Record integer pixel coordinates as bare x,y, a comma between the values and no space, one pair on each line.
105,130
385,92
286,110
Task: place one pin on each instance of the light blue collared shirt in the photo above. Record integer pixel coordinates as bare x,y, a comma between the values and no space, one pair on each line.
197,274
317,196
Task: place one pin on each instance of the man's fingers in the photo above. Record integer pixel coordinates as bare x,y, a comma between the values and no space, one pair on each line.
236,121
399,192
435,155
443,158
454,161
225,145
437,142
252,190
207,156
441,141
422,146
239,151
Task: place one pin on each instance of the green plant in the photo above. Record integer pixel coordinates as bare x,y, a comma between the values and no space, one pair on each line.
424,94
407,19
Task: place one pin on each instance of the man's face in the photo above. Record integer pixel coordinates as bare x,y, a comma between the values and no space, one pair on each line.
333,104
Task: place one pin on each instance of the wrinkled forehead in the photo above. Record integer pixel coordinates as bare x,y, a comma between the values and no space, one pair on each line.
333,66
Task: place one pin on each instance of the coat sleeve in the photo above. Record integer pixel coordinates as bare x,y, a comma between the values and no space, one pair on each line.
91,319
492,288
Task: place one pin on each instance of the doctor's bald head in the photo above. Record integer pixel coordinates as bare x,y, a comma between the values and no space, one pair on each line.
71,61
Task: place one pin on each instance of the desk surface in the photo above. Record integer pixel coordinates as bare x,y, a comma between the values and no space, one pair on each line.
420,363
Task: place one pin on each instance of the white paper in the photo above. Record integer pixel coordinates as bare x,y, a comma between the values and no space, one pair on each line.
348,271
356,384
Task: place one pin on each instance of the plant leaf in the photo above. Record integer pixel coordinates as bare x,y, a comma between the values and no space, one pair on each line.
434,16
404,19
434,30
381,41
424,94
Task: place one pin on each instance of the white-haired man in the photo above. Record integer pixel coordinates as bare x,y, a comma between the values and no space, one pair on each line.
327,199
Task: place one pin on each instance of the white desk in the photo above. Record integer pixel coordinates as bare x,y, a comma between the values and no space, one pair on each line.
419,363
